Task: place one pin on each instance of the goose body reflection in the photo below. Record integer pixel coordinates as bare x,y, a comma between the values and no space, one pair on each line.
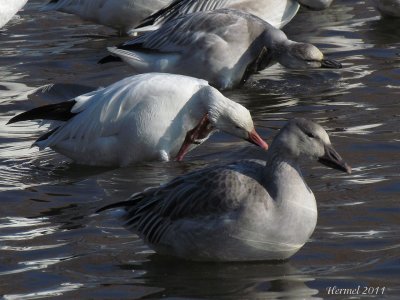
8,8
276,12
222,46
141,118
244,211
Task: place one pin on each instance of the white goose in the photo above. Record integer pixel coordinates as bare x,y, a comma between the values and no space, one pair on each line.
122,15
390,8
276,12
245,211
222,46
143,117
8,8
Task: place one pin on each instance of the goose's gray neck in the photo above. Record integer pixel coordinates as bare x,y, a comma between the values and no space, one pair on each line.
282,174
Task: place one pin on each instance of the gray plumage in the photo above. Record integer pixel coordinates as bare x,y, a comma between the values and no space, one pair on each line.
223,46
246,210
276,12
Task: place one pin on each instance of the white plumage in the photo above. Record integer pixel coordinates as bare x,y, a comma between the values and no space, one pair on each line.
122,15
144,117
8,8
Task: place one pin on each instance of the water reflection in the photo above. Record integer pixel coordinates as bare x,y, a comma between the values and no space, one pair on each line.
58,291
224,280
53,246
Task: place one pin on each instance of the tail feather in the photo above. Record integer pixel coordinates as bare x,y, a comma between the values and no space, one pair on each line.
60,112
135,59
133,200
138,30
121,204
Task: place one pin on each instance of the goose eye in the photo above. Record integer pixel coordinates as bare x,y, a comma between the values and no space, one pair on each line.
309,134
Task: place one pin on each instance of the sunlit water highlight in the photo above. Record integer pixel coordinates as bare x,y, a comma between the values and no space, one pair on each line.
53,246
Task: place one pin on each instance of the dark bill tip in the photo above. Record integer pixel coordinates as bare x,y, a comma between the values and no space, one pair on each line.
333,160
330,64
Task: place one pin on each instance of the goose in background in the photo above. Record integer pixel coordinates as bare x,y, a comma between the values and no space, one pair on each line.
388,8
8,8
141,118
276,12
222,46
122,15
245,211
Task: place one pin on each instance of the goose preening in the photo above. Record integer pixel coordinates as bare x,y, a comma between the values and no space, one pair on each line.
389,8
276,12
243,211
8,8
122,15
143,117
222,46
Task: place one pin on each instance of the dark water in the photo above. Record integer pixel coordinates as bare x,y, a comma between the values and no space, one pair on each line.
52,246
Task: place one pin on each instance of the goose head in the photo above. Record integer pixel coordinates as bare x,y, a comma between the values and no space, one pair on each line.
304,138
233,118
315,4
295,55
221,114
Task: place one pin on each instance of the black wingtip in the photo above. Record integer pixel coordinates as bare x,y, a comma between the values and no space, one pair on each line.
169,11
60,112
109,58
20,117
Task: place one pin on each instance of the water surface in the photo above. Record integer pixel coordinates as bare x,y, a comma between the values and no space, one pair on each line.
51,244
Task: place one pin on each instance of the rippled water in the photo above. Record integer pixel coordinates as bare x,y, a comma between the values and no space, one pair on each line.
51,244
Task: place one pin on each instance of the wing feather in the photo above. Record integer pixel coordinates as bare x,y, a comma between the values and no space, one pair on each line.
179,8
203,193
176,35
100,113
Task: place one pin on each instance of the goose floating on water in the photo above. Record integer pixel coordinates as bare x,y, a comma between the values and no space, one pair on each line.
122,15
141,118
222,46
244,211
8,8
276,12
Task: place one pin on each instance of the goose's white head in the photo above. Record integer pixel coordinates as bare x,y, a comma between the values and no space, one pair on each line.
233,118
295,55
316,4
304,138
222,114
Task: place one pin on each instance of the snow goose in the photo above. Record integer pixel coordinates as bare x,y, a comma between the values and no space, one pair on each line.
244,211
276,12
122,15
144,117
389,8
8,8
222,46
